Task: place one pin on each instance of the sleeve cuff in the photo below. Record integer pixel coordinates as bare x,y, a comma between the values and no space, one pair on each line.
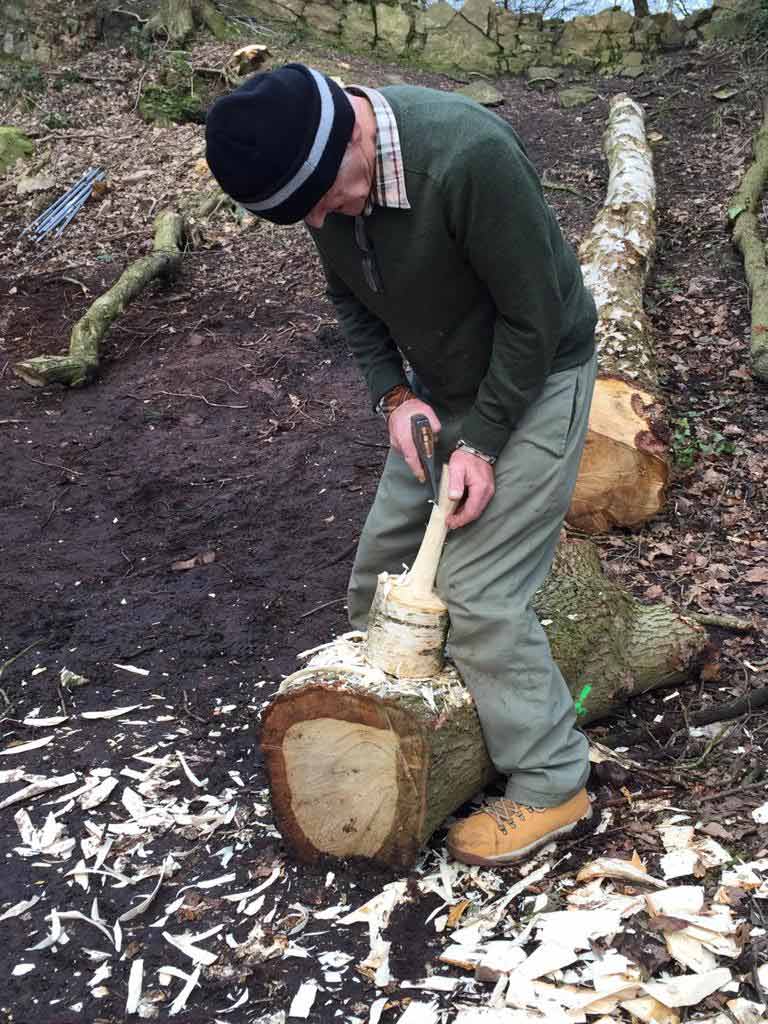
383,380
484,434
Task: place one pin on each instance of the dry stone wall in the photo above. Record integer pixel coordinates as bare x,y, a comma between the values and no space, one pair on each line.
45,30
482,37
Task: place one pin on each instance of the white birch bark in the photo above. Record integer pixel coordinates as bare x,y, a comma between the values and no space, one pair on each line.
625,470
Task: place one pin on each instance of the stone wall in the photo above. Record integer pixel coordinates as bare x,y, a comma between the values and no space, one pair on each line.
45,30
478,37
482,37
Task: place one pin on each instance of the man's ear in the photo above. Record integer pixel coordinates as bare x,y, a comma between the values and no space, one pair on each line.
357,134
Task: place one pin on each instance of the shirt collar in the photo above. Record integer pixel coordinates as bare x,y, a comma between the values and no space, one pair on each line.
389,181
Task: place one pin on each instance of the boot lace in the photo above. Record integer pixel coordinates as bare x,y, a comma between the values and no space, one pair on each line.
507,813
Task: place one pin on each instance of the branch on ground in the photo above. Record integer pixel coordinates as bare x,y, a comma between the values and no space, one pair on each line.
81,362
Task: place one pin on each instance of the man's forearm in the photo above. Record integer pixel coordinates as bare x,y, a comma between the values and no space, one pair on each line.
369,339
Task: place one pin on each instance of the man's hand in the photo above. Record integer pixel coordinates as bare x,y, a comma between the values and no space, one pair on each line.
400,437
472,479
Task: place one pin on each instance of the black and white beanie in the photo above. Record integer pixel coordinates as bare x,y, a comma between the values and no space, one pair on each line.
275,143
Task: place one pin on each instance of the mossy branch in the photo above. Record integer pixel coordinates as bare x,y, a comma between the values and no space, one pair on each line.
81,362
743,217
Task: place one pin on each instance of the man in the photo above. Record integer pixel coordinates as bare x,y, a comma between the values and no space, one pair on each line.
439,249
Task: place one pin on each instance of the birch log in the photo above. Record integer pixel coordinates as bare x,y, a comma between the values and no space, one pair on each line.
625,468
362,763
81,362
408,620
743,216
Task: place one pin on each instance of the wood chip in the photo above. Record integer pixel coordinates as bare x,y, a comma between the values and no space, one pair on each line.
577,928
746,1012
45,723
40,786
134,912
180,1002
98,794
420,1013
135,982
185,944
21,969
189,773
23,748
689,989
109,713
376,912
547,957
302,1002
500,957
611,867
650,1011
20,908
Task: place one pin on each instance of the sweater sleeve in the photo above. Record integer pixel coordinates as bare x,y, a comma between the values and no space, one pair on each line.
498,214
368,337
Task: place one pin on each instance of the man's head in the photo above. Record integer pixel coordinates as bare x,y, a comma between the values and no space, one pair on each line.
286,146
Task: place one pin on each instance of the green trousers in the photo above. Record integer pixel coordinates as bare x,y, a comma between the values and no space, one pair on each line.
488,575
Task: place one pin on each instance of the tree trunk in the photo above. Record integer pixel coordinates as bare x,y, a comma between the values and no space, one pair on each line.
625,469
82,361
641,9
364,764
177,20
743,216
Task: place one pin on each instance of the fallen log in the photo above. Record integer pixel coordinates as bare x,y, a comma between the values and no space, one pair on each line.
362,763
80,364
744,221
625,468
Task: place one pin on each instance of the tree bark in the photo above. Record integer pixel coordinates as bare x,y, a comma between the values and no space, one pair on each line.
641,9
625,469
178,20
364,764
79,366
743,217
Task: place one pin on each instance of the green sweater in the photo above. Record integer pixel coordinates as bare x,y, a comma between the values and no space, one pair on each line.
481,293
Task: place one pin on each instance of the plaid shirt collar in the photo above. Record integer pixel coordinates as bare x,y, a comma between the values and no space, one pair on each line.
389,184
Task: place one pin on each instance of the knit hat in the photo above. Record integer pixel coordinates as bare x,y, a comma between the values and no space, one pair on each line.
275,143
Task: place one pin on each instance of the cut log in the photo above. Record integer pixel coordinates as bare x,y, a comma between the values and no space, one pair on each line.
743,216
364,764
80,364
625,468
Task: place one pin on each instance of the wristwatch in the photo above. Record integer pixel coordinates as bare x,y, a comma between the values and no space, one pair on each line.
490,459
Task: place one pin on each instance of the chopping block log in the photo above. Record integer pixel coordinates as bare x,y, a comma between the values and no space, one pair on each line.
363,763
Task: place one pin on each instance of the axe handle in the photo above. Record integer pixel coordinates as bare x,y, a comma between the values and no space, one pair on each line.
421,579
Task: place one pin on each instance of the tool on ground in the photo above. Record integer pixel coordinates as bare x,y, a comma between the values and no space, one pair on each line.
60,213
424,439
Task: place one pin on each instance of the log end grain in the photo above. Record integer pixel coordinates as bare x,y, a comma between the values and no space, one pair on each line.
624,472
348,774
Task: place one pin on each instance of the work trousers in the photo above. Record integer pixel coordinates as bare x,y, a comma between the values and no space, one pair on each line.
488,575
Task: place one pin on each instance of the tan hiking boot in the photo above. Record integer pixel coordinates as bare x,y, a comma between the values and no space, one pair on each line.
504,831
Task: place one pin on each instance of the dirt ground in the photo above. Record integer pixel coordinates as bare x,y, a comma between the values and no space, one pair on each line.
228,422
